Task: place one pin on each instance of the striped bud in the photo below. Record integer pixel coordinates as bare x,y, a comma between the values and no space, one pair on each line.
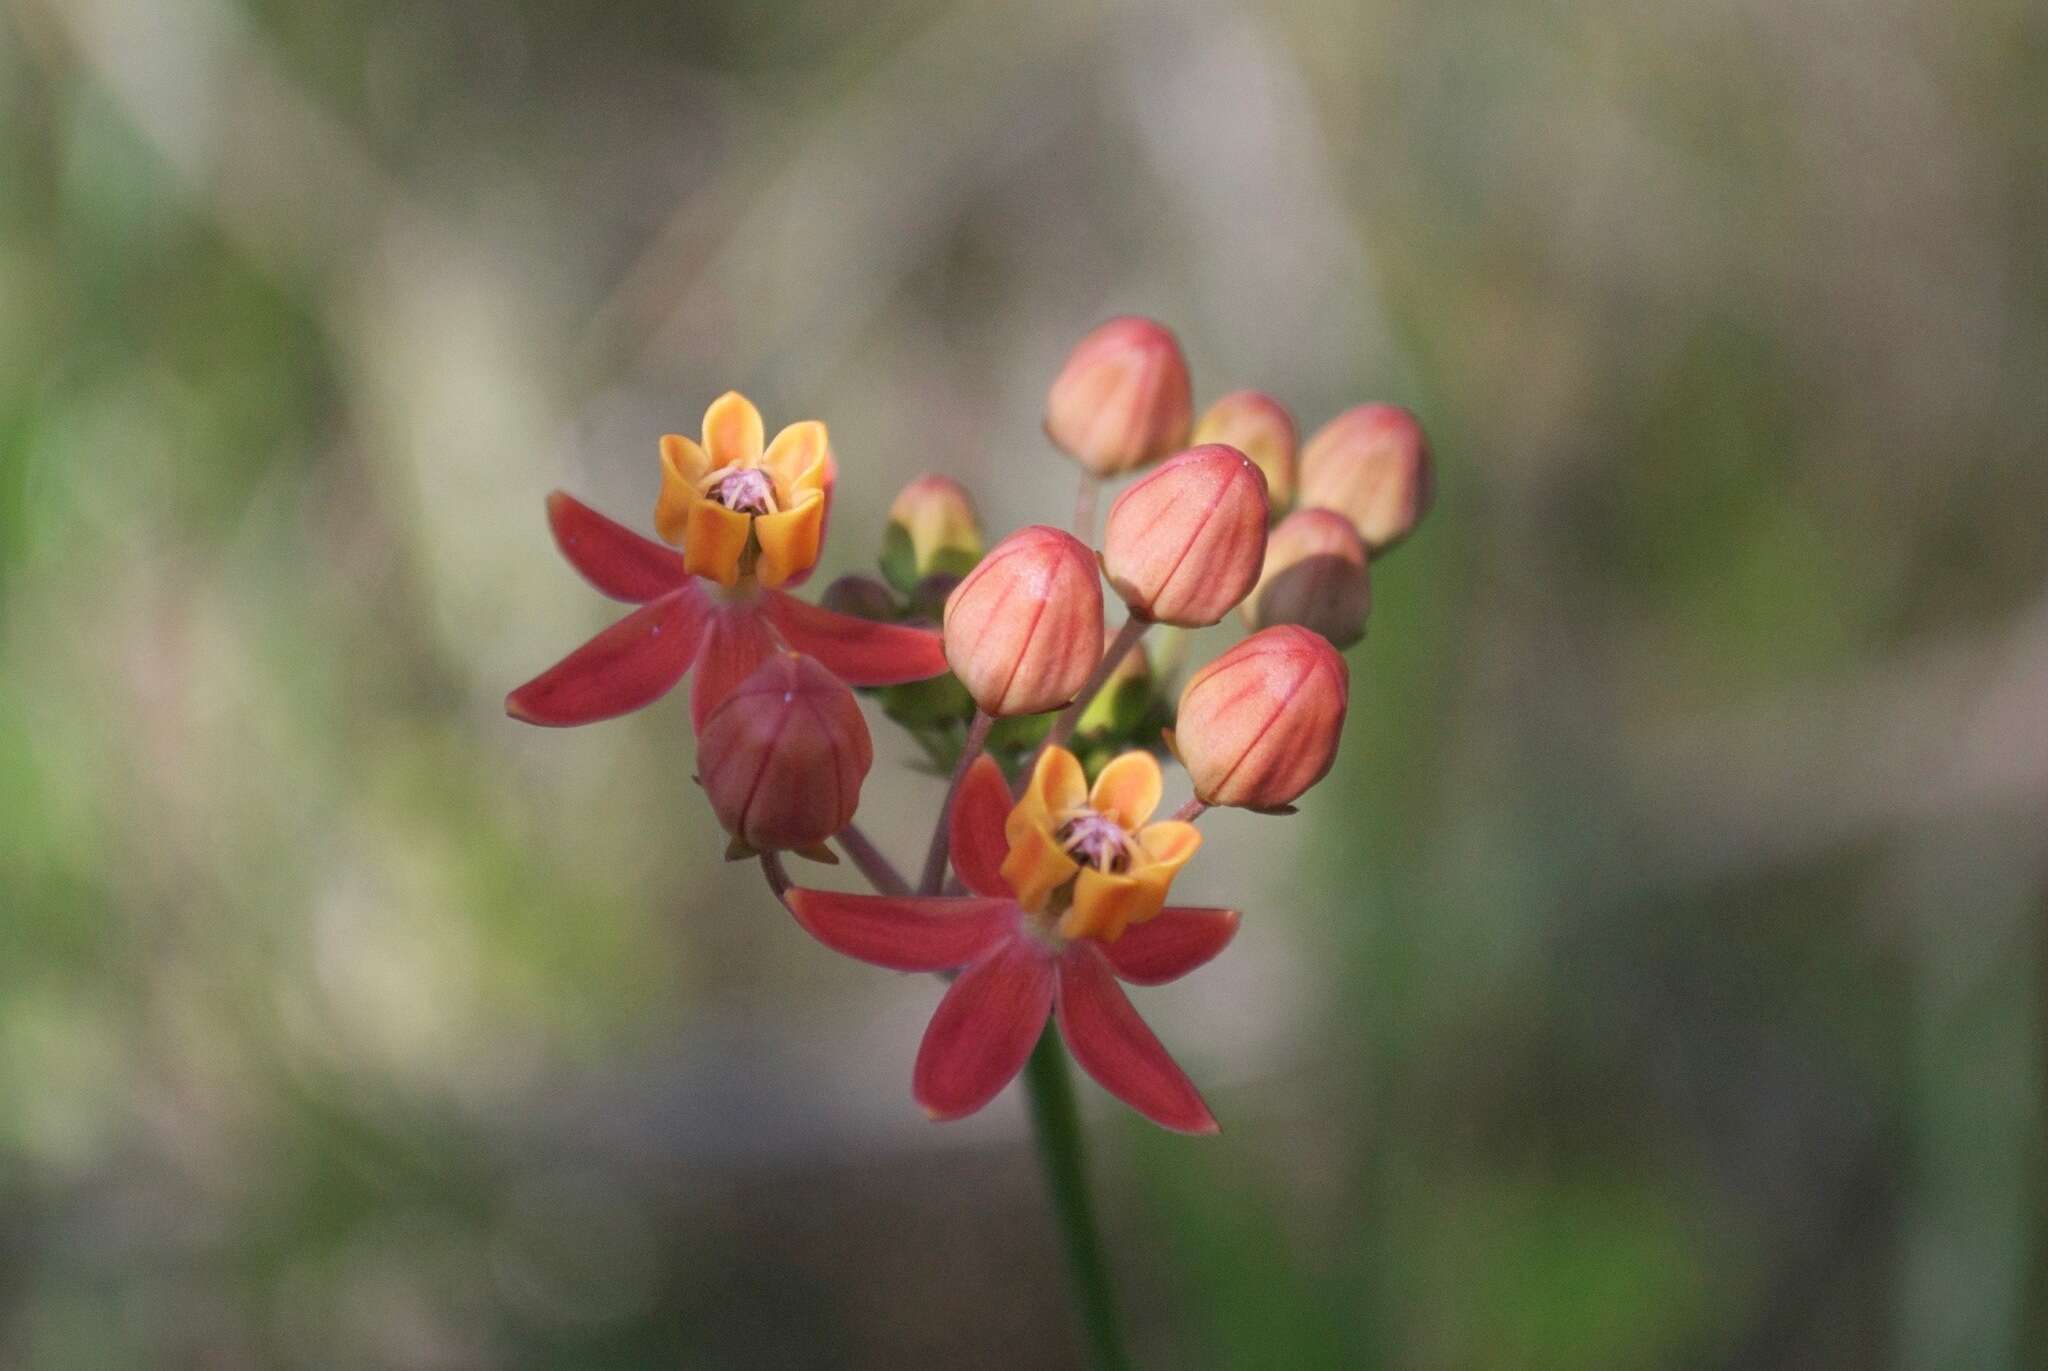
1315,576
783,756
1122,399
1024,630
1370,464
1184,544
1260,725
1260,427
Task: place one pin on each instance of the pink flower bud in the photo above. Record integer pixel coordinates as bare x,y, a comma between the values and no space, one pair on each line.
1024,630
1259,725
783,756
1184,544
1315,576
1260,427
1122,399
1370,464
938,526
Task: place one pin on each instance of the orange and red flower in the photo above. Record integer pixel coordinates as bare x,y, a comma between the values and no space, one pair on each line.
750,520
1068,896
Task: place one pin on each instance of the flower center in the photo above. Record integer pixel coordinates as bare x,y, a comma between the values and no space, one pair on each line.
1095,840
745,490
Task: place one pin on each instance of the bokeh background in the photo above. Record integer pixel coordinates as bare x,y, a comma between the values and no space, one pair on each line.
1659,981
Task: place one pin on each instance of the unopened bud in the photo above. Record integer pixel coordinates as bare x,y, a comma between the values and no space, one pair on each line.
1122,399
863,597
932,532
1315,576
783,756
1259,725
1185,544
1024,630
1260,427
1370,464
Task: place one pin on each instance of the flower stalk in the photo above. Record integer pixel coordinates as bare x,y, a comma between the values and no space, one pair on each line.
872,863
934,874
1119,647
1056,1123
1057,891
1085,496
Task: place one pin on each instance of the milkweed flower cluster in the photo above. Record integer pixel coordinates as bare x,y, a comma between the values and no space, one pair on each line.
1051,877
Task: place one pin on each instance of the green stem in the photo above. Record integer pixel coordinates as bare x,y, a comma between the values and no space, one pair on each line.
1057,1123
1063,726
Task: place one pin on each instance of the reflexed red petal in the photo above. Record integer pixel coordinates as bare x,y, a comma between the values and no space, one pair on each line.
735,642
1170,944
984,1029
857,651
976,840
631,664
611,556
1113,1045
906,932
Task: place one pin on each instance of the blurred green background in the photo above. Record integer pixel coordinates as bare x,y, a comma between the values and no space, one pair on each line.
1658,982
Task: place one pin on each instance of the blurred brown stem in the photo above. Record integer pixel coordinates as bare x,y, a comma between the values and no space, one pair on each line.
880,871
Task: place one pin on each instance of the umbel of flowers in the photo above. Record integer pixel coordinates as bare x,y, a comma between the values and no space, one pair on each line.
1051,879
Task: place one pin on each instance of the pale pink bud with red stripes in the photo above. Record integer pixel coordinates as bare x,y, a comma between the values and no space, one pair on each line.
1371,464
1260,427
1184,544
1122,399
1260,725
1315,576
1024,629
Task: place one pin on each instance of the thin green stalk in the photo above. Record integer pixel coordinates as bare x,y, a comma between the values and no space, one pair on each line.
1069,718
1057,1122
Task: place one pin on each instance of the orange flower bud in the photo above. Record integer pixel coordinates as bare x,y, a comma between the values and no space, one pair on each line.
1315,576
1184,544
1370,464
932,530
783,756
1024,630
1122,399
1260,427
1259,725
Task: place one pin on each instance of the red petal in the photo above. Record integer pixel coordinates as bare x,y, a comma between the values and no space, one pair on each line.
611,556
984,1029
1113,1045
857,651
631,664
1170,944
904,933
738,641
976,840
